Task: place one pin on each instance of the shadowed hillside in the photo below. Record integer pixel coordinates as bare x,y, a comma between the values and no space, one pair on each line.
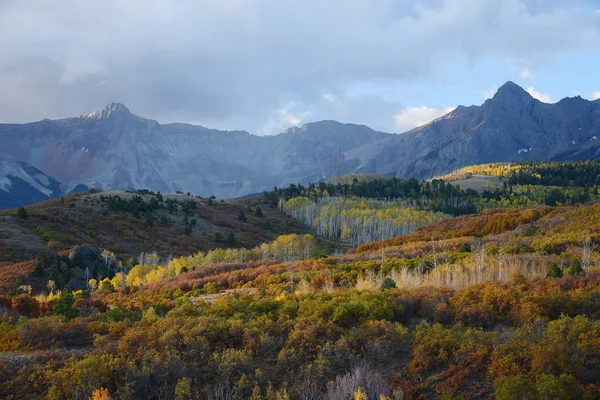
139,222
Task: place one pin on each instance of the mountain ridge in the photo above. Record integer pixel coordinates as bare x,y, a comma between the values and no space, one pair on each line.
116,149
511,126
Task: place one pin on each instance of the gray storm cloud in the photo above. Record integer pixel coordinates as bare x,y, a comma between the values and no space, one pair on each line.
260,65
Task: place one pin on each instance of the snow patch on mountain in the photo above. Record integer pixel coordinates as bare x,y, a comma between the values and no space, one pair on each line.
42,179
5,183
525,150
21,184
9,168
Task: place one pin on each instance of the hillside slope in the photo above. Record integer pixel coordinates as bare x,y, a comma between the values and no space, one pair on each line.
504,304
89,219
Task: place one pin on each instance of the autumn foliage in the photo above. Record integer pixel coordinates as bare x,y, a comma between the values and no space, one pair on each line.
501,304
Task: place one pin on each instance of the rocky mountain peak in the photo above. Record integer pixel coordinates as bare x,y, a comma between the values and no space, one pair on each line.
512,91
510,99
112,111
116,107
115,110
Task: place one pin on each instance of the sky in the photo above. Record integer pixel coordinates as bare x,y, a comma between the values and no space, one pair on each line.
266,65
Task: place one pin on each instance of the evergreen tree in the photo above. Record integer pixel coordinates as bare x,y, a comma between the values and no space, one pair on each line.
149,219
575,268
171,206
259,212
231,240
465,248
64,305
388,283
267,225
164,220
242,216
22,213
554,271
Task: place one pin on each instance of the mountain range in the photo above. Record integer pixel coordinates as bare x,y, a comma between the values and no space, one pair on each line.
115,149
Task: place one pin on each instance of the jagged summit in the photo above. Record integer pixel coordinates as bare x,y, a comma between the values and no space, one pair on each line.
116,107
112,110
511,91
510,96
510,86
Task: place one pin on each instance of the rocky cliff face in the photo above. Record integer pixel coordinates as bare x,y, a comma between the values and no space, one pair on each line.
114,149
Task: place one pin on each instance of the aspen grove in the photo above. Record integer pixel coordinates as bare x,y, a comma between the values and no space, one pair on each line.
358,220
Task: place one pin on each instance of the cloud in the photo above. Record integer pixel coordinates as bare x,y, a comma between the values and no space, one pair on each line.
417,116
596,95
282,120
488,94
521,66
526,74
543,97
235,64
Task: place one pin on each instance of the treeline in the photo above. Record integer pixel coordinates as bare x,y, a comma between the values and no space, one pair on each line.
358,220
435,195
138,207
526,184
584,174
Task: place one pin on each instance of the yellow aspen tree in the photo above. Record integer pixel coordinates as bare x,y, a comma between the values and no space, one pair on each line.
101,394
360,394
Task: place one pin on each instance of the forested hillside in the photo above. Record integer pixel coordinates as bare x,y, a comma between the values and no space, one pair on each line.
518,184
585,174
129,225
132,222
503,302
